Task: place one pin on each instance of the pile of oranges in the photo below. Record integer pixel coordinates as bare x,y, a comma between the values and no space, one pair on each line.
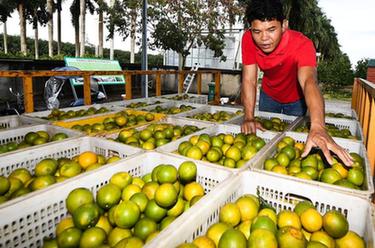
128,211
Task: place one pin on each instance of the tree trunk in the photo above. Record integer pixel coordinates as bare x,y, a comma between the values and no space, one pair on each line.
77,45
100,42
50,27
58,27
112,49
36,40
132,35
21,12
5,35
82,26
181,61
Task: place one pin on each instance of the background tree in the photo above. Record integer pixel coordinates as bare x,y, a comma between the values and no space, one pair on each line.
117,21
102,7
178,25
21,8
50,10
75,12
361,68
135,7
59,9
37,14
6,8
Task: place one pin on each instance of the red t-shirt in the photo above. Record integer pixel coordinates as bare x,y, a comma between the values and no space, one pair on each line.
280,67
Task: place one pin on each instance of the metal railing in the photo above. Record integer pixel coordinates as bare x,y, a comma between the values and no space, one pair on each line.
27,79
363,102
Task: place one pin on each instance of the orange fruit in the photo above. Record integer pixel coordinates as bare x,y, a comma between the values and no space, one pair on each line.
351,240
288,218
232,238
340,169
356,176
263,222
140,199
335,224
230,214
117,234
69,237
129,191
166,222
166,174
63,225
166,195
234,153
323,238
87,158
194,152
131,242
78,197
126,214
86,215
92,237
108,196
248,208
289,236
262,238
22,174
311,220
149,189
216,230
144,227
269,213
330,175
154,211
121,179
204,242
104,224
187,172
178,208
244,227
193,189
302,207
280,169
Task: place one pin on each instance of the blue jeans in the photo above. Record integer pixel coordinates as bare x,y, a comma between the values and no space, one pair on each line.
266,103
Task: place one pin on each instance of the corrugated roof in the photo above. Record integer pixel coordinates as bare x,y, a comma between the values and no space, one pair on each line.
371,63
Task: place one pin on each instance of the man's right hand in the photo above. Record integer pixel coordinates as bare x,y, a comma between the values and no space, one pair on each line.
250,126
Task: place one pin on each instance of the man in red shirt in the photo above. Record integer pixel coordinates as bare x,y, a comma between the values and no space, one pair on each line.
288,61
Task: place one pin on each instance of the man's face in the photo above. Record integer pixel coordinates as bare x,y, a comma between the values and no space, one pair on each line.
267,34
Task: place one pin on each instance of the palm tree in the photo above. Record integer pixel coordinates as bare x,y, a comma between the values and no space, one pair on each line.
37,14
21,12
59,9
6,8
102,7
50,4
82,26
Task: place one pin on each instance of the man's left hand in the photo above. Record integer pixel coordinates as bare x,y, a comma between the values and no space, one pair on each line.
319,137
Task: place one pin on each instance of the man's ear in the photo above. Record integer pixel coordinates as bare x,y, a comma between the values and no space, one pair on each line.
285,25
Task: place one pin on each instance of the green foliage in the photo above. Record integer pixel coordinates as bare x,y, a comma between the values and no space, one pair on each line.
361,68
178,25
335,75
67,49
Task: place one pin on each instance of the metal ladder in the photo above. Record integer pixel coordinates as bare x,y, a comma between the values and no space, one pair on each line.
190,78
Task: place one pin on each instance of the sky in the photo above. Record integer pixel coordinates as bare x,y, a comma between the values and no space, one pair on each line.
354,23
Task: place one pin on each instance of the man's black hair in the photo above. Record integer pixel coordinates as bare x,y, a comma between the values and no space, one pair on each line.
264,10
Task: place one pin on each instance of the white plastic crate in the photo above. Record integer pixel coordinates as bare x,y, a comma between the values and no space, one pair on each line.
17,135
193,98
22,226
45,113
171,104
357,147
339,107
125,103
68,149
213,109
217,129
353,125
292,120
14,121
281,194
